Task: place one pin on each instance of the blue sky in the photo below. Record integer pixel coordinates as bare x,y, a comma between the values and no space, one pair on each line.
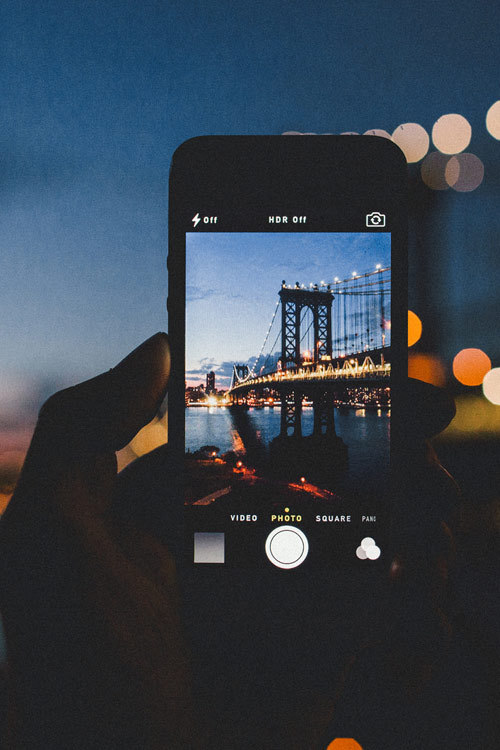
233,282
97,96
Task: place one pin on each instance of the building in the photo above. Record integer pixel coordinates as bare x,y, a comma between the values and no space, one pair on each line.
210,382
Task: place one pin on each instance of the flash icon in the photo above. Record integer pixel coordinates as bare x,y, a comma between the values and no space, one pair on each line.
196,220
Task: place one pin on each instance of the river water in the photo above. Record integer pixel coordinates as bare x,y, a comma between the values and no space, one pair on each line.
365,432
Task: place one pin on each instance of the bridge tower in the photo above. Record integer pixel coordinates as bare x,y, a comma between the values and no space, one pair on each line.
293,301
240,372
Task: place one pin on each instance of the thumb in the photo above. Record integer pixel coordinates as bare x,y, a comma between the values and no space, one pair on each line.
103,414
88,422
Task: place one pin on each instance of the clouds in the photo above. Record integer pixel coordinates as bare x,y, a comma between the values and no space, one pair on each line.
195,293
223,370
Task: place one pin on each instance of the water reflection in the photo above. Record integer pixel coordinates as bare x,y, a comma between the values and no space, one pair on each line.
366,432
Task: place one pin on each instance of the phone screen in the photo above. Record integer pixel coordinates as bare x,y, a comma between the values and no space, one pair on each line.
287,394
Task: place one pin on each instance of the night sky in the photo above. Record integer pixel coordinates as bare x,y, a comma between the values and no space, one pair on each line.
96,96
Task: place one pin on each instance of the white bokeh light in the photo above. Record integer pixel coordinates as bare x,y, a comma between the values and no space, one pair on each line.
491,386
464,172
493,120
361,553
451,134
412,139
381,133
432,170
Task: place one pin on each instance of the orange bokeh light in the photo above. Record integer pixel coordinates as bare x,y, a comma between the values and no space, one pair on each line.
414,328
426,367
470,366
344,743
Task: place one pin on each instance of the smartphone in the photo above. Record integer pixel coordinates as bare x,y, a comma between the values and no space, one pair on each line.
287,312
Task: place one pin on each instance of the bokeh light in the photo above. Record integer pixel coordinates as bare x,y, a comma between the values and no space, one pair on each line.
491,385
381,133
433,170
476,417
470,366
464,172
344,743
426,367
451,133
412,139
493,120
414,328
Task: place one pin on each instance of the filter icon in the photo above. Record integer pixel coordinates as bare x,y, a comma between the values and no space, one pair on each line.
368,550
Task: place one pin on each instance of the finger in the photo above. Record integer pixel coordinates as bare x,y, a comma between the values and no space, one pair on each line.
148,494
104,413
429,409
80,428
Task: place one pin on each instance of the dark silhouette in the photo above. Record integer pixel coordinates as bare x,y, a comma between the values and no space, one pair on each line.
90,603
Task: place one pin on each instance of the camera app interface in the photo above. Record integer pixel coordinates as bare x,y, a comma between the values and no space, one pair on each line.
287,396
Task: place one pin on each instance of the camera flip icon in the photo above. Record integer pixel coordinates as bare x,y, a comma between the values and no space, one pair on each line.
375,219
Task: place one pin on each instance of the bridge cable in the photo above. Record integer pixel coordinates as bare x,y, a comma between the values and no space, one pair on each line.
252,370
271,350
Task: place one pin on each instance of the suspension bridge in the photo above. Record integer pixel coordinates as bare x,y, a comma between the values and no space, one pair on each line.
332,336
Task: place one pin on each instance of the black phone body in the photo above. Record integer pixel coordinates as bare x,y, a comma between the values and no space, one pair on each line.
288,328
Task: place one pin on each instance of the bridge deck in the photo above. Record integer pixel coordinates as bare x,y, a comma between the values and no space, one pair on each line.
367,371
